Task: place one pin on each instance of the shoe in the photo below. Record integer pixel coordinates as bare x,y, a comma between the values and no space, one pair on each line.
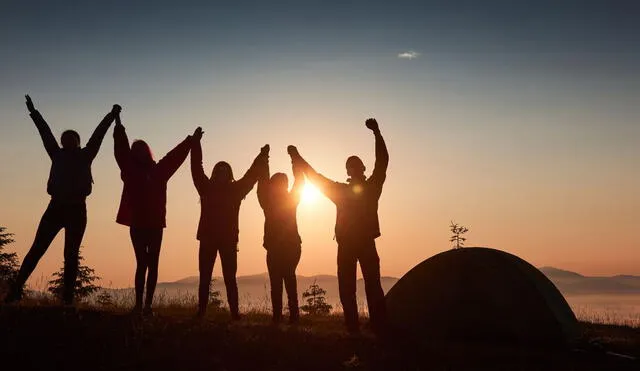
136,311
353,328
12,297
147,312
236,316
200,314
294,319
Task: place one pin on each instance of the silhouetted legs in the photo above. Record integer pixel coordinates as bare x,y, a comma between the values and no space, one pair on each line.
348,257
146,245
71,217
282,264
75,226
229,261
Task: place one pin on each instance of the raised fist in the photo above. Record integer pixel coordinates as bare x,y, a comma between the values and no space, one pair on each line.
292,151
265,150
30,106
372,124
116,109
197,134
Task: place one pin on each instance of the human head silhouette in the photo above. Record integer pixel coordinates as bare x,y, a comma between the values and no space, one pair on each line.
355,167
279,182
70,139
141,152
222,173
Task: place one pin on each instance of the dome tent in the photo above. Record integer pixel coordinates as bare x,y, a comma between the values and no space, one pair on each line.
480,294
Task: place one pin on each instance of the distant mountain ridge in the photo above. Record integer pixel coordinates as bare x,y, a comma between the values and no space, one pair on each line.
571,283
568,282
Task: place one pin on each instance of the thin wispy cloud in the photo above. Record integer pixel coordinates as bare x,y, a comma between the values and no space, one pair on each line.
408,55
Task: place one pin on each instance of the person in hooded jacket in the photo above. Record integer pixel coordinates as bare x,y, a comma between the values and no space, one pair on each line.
281,238
357,227
70,182
220,199
143,204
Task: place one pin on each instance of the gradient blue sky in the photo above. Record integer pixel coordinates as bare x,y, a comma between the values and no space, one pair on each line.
519,119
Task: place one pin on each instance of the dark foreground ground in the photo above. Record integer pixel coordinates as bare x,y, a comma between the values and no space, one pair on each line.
53,338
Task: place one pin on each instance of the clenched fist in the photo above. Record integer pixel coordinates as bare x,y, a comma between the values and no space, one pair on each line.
372,124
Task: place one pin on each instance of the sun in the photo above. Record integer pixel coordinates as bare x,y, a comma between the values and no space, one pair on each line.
310,194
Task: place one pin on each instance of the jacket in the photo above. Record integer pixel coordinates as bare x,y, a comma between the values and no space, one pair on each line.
280,219
70,178
220,203
356,201
144,194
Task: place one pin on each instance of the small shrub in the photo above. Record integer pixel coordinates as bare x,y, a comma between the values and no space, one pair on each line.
105,299
316,302
214,297
84,286
457,238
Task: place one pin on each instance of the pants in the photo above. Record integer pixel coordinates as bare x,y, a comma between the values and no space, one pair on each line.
282,266
348,256
146,245
73,218
206,260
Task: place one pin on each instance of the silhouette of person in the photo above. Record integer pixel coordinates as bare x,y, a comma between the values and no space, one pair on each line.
143,203
281,238
356,229
220,198
69,184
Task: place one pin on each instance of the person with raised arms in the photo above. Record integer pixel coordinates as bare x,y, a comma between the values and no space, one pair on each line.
70,183
356,229
220,199
143,204
281,238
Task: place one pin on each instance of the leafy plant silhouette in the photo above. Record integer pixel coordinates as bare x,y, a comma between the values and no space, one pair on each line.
316,302
457,238
8,261
85,283
214,297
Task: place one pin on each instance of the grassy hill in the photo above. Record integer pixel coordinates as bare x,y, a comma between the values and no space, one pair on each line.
37,337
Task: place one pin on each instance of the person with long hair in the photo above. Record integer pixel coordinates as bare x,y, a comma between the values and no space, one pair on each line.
220,199
70,183
143,204
281,238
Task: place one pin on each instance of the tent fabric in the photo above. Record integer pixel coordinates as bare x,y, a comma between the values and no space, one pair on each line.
480,294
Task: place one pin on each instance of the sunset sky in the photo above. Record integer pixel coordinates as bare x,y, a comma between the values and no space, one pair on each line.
517,119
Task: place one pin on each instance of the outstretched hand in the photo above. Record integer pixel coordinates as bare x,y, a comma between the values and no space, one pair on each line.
265,150
197,134
372,124
292,151
29,102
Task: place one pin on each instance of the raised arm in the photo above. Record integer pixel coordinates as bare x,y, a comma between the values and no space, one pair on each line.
326,185
263,183
298,181
382,155
121,148
245,184
172,161
93,145
49,141
200,180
